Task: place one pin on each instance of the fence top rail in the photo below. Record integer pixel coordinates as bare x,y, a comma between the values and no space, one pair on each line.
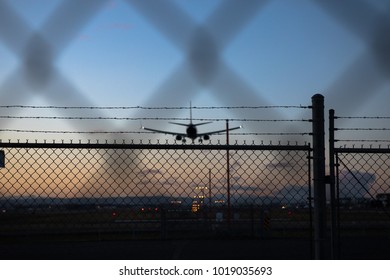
362,150
271,147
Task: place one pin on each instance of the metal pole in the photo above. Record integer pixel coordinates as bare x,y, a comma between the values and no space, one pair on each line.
210,200
310,199
319,176
228,173
210,189
337,183
334,253
163,223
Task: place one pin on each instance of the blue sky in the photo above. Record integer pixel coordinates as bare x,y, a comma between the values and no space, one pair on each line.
286,52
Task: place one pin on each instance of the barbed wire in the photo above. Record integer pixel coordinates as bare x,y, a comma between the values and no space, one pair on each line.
150,118
72,132
31,116
137,132
364,117
363,129
352,133
41,116
154,108
271,133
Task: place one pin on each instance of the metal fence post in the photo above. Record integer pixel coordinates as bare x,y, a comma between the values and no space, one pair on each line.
334,229
319,176
228,176
163,223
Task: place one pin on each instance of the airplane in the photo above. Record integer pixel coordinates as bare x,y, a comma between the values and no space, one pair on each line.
191,131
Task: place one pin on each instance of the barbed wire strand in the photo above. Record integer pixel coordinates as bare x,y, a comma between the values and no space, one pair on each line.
134,132
155,108
151,118
363,129
366,117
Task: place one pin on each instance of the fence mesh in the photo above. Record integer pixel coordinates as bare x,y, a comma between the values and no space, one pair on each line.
363,192
159,191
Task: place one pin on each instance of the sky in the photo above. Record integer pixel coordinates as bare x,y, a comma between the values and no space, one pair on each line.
209,52
173,52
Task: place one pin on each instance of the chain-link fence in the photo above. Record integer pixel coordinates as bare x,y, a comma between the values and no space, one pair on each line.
363,192
181,191
361,198
156,191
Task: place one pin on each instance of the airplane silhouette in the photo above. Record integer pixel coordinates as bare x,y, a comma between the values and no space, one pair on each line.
191,131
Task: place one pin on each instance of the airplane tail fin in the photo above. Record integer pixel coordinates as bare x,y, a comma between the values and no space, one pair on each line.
197,124
191,123
190,112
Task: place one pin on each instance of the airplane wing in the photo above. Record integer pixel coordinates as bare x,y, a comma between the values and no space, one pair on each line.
164,132
218,131
195,124
182,124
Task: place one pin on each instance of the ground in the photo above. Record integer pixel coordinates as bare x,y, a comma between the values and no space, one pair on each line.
272,249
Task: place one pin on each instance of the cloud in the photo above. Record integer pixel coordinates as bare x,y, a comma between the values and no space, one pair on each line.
293,194
150,171
355,184
279,165
245,188
235,165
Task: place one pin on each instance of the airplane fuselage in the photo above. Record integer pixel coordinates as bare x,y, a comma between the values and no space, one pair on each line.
192,132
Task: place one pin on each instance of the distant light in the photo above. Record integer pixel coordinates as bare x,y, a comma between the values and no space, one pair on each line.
176,202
